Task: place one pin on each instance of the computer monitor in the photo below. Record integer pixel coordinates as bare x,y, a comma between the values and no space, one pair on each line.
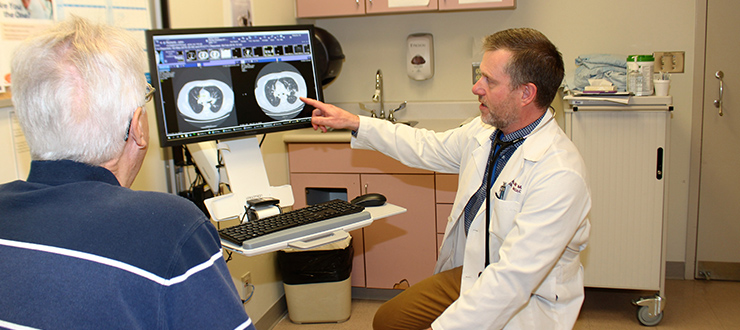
221,83
227,85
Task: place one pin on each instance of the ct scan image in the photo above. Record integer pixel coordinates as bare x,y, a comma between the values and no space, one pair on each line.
277,90
205,98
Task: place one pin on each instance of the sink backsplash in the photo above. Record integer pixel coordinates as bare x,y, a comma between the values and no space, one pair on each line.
419,110
431,115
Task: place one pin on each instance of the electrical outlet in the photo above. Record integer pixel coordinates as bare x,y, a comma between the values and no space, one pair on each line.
476,72
243,285
669,61
247,279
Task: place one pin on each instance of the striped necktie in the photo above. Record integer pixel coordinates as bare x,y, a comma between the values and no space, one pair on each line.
475,202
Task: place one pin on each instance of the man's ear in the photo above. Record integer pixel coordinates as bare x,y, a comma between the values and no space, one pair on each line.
139,130
529,93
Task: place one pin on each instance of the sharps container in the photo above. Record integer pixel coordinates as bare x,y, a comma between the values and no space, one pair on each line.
640,74
317,282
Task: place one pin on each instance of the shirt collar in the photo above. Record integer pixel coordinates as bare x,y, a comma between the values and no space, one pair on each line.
522,132
58,172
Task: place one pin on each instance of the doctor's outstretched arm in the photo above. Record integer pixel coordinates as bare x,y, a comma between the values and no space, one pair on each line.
327,115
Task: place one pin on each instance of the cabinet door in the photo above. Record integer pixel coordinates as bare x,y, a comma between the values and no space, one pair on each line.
474,4
402,246
388,6
624,152
307,184
327,8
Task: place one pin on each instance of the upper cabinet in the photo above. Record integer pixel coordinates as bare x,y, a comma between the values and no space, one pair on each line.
333,8
396,6
329,8
474,4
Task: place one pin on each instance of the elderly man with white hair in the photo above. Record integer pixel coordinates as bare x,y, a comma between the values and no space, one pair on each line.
79,248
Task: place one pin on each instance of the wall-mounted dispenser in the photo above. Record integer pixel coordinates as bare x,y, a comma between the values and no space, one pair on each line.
420,56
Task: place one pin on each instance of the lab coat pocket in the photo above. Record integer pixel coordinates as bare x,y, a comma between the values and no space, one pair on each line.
504,213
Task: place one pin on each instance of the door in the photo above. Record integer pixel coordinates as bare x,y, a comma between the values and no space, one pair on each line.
328,8
478,4
386,6
402,246
718,232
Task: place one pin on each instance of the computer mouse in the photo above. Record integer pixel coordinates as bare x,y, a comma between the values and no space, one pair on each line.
371,199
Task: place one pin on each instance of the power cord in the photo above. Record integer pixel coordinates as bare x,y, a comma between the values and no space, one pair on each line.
251,293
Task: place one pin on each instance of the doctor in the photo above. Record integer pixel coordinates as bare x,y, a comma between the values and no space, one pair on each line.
510,256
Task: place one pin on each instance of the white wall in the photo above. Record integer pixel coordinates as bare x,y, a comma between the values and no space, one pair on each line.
576,27
376,42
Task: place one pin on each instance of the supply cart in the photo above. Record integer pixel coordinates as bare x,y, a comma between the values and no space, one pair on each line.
624,143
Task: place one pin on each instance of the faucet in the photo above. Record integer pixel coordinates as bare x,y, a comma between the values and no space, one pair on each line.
391,114
378,96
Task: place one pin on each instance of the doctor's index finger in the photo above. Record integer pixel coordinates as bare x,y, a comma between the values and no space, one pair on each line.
311,102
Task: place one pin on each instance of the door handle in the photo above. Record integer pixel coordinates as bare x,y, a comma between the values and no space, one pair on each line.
718,103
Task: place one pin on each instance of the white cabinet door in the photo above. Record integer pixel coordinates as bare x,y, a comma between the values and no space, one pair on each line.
624,152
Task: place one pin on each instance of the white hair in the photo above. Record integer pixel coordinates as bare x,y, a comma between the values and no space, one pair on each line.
75,89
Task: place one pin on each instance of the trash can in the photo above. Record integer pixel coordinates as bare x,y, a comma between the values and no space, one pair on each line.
317,283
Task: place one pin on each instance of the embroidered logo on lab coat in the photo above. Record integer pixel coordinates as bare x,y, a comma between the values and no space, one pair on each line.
517,188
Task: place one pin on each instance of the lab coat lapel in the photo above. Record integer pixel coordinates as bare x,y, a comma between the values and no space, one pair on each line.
480,157
472,176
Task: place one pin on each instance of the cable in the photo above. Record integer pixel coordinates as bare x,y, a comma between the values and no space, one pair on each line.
263,140
244,301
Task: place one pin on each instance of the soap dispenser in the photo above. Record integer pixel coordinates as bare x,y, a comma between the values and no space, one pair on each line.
420,56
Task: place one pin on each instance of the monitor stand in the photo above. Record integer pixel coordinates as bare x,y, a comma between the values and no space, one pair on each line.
247,175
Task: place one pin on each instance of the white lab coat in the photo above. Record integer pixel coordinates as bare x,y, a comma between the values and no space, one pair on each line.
535,279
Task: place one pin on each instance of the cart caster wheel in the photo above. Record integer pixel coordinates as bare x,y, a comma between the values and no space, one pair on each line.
643,315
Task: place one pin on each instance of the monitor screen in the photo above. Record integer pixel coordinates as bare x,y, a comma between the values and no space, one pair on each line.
220,83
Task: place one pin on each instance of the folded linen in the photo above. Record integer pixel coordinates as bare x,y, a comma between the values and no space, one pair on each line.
600,66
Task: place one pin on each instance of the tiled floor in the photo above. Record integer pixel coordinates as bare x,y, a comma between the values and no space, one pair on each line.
688,305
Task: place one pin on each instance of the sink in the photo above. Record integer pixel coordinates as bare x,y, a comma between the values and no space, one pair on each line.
411,123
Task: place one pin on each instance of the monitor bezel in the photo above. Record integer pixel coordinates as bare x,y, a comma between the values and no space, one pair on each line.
160,113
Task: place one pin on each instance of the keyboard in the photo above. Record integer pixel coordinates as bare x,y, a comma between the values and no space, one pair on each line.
295,224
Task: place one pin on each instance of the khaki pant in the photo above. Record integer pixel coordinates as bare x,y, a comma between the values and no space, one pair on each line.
419,305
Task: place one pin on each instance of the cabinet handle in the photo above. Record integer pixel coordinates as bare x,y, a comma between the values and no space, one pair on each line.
718,103
366,188
659,167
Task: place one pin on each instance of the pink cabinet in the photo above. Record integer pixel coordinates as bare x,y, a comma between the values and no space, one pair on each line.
402,246
334,8
391,249
383,6
479,4
446,188
329,8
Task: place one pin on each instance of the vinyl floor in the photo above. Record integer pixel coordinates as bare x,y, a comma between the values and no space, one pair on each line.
688,305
